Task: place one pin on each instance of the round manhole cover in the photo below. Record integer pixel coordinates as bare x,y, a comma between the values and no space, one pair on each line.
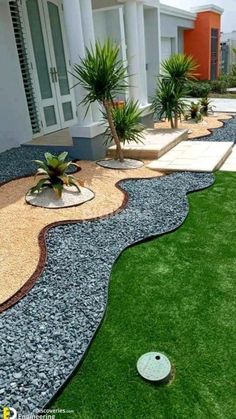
154,366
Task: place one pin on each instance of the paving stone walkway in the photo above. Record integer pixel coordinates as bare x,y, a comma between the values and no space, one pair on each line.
200,156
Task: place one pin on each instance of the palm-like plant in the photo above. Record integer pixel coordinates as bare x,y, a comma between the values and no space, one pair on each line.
206,106
168,101
172,87
126,120
103,75
54,171
180,68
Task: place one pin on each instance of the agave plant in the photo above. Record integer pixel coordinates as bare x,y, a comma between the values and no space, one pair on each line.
126,120
194,112
103,75
206,106
53,170
168,101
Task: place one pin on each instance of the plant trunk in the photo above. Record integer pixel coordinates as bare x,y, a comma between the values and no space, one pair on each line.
176,120
119,152
172,123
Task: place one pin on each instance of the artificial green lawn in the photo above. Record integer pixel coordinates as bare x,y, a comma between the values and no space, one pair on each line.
175,294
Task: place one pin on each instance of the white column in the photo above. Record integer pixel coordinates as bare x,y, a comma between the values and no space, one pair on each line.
89,39
75,37
159,39
132,41
142,55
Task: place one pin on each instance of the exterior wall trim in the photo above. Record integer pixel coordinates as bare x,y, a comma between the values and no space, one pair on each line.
173,11
208,8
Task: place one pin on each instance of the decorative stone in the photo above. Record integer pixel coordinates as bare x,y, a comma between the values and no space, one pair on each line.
117,164
70,197
154,366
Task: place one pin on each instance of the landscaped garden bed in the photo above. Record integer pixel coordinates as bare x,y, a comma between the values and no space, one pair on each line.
47,332
201,128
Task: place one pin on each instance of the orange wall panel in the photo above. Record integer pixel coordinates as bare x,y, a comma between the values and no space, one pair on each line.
197,42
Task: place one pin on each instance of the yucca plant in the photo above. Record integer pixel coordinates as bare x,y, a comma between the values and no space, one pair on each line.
168,101
180,68
103,75
126,120
173,81
53,169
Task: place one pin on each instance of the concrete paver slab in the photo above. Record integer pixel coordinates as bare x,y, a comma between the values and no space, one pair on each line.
201,156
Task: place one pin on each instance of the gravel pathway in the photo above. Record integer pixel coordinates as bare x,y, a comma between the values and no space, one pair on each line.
45,335
225,133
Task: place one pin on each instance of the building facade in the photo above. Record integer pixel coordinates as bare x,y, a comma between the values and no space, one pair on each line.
40,40
228,56
203,43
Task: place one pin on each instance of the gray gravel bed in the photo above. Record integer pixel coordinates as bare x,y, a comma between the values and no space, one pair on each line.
225,133
18,162
44,336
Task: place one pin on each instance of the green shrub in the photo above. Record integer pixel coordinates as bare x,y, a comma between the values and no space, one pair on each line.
199,89
219,86
230,79
233,72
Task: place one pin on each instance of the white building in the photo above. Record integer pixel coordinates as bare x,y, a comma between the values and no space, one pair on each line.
40,40
228,42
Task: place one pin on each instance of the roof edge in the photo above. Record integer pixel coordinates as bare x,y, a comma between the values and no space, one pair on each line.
174,11
208,8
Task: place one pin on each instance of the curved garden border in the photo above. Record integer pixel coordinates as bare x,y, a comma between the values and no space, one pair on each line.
47,333
35,364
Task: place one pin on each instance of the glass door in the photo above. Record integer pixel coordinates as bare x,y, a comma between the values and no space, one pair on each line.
60,61
50,64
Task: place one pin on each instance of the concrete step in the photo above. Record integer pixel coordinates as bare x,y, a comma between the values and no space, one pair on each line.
194,156
156,142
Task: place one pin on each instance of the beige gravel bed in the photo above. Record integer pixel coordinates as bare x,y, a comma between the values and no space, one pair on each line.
20,223
199,129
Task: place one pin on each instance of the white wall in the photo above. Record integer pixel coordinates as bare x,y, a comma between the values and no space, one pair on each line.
15,127
170,25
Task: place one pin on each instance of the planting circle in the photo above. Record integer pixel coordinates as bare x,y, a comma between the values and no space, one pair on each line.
154,366
70,197
117,164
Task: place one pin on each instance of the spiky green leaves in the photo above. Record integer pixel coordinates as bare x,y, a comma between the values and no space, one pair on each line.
126,120
168,100
101,73
172,87
54,169
179,68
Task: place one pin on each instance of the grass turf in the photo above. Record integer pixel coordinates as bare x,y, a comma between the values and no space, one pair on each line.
174,294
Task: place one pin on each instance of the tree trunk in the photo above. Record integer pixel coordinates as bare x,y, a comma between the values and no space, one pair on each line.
119,152
172,123
176,120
